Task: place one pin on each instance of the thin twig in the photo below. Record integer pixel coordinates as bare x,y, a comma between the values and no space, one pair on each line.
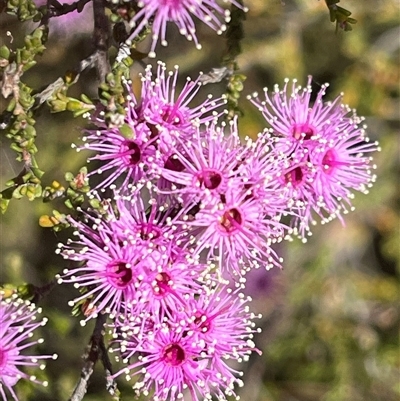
40,292
52,88
234,36
91,357
7,117
111,384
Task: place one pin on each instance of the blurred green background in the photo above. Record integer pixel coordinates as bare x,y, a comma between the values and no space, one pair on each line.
331,316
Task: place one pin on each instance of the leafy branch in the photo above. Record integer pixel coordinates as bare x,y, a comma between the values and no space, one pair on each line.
18,118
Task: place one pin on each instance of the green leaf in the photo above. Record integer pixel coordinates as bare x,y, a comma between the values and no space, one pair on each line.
4,52
4,204
69,177
127,131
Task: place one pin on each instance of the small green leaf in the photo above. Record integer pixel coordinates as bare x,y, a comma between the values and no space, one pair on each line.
74,104
19,193
4,52
4,204
86,99
7,290
127,131
69,177
95,203
68,203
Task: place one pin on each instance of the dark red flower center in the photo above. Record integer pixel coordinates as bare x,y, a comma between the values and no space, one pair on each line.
162,285
174,164
119,273
210,179
174,354
329,161
302,131
202,322
230,220
149,231
153,130
171,115
132,152
294,176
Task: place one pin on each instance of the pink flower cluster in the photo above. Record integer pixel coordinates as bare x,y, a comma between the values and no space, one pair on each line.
192,206
324,150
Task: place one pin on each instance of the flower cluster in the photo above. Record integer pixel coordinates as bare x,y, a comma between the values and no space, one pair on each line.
324,151
147,140
132,260
18,322
188,351
137,264
192,207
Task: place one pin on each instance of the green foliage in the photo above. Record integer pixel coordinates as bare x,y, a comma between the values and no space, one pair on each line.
74,197
340,15
111,93
24,10
57,221
21,130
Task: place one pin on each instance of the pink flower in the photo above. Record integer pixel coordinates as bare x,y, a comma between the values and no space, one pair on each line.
18,323
209,161
291,116
238,232
107,274
158,13
343,165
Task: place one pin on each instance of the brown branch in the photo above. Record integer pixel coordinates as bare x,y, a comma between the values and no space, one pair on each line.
101,37
94,352
111,384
